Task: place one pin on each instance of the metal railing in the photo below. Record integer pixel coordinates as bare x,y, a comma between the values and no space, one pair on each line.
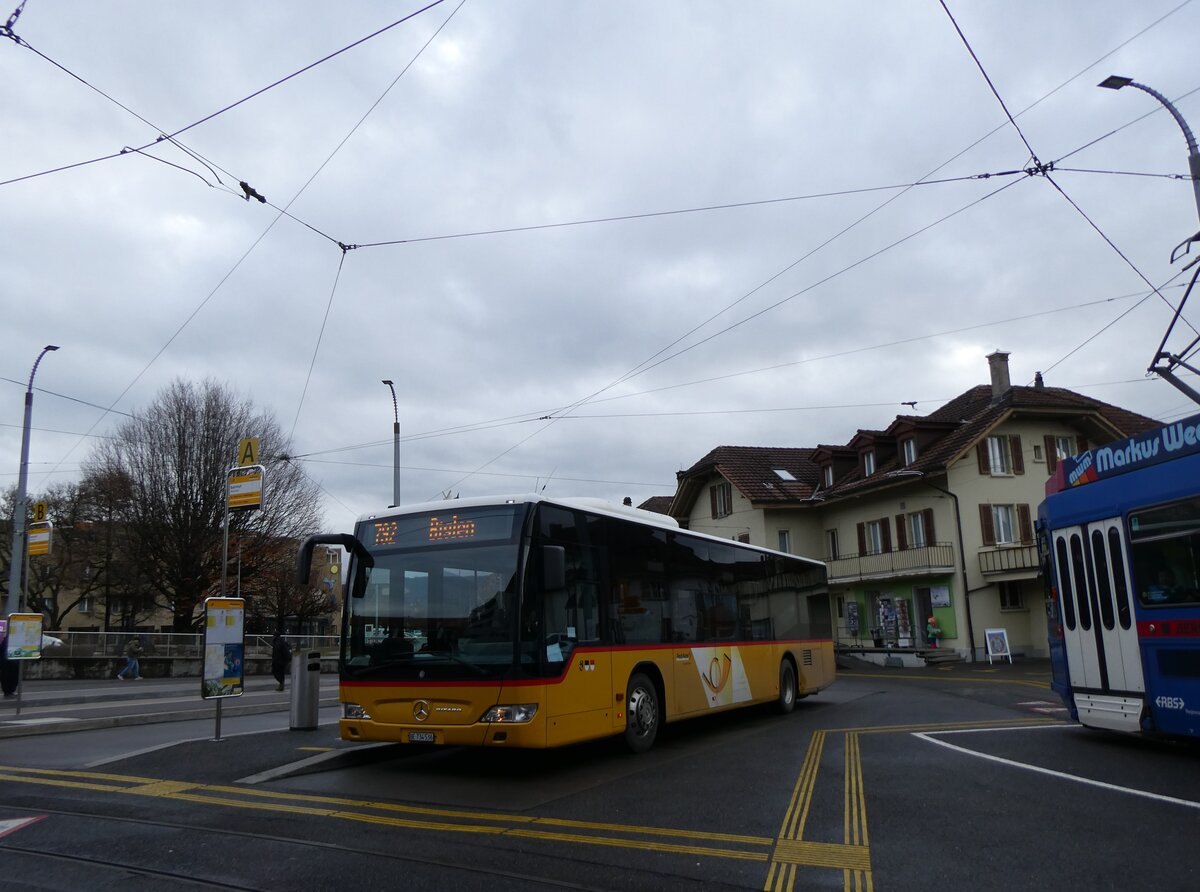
908,561
171,644
1008,560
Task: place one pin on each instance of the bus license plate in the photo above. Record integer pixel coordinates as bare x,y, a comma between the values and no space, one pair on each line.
421,737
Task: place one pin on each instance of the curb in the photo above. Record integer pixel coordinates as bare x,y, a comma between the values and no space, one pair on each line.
36,727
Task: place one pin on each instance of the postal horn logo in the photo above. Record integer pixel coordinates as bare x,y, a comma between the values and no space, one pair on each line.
420,710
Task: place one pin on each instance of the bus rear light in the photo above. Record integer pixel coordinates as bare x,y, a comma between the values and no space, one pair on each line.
516,714
354,711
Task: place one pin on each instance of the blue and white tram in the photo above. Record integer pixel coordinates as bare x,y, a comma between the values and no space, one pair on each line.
1120,537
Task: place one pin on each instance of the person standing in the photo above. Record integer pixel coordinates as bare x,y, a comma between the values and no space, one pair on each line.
281,655
133,666
9,671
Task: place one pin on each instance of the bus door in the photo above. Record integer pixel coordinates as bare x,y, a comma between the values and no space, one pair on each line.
1098,626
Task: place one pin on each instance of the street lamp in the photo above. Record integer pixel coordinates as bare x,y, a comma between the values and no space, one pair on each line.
1116,82
16,589
395,446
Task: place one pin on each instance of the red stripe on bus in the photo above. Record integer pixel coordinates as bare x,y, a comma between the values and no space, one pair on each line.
1169,628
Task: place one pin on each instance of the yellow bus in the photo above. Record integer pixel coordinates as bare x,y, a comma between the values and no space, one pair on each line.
538,622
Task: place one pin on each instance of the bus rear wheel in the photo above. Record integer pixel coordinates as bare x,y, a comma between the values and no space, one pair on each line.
787,688
641,725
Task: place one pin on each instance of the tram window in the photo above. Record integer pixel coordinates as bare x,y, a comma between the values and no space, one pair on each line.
1166,554
1079,573
1116,549
1103,588
1063,565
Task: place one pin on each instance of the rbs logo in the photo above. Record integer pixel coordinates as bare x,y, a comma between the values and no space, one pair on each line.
1169,702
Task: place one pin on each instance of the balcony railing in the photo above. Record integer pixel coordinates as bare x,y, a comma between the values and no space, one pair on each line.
906,562
1008,560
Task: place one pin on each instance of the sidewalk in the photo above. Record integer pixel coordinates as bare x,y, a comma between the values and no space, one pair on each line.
56,705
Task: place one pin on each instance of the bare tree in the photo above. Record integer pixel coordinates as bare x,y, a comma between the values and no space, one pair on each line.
176,457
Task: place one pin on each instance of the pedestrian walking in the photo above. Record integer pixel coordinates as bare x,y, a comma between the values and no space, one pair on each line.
133,666
281,655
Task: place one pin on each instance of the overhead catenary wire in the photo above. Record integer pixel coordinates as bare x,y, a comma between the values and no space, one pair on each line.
1038,168
280,214
170,136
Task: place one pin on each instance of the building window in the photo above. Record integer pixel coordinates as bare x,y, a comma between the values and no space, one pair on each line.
827,475
784,475
1011,597
1006,524
1001,456
785,541
873,531
917,534
831,544
910,451
998,460
1064,447
721,497
86,605
868,463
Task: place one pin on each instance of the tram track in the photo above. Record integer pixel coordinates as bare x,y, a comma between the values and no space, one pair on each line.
526,880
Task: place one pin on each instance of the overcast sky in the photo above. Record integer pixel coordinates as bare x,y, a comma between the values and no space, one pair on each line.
667,225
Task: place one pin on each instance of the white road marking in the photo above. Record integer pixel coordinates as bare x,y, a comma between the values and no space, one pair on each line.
928,736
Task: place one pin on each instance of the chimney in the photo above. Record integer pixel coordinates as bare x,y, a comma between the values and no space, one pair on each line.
998,363
1038,382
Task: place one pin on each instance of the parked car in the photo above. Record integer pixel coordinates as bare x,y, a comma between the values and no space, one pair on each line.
51,641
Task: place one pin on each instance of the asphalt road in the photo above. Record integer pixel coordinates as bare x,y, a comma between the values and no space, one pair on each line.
891,779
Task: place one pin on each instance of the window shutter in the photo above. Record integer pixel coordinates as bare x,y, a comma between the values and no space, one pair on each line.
712,498
862,538
1025,523
981,452
1018,457
901,533
930,538
1080,444
1051,448
885,534
986,526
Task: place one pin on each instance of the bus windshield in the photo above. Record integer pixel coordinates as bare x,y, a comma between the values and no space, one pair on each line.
439,598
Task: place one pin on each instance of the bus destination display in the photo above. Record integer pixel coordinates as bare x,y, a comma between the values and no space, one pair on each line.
443,528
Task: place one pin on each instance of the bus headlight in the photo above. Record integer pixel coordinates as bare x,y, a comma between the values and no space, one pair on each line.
517,713
354,711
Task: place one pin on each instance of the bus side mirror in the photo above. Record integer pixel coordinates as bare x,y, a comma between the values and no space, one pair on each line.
344,540
554,568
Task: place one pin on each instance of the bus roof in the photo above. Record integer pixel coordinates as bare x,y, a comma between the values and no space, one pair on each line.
1171,441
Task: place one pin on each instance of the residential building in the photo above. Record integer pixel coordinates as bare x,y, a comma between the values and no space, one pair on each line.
931,517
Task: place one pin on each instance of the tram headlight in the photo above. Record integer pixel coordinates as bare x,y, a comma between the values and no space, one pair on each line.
517,713
354,711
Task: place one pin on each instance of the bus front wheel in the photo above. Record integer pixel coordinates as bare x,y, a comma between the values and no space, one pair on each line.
641,726
787,688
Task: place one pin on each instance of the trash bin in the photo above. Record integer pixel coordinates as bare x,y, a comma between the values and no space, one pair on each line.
306,690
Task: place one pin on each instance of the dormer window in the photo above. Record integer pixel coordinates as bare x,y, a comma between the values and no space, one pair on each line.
910,452
868,463
827,476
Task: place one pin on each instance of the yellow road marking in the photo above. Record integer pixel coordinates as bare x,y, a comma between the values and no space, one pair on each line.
788,852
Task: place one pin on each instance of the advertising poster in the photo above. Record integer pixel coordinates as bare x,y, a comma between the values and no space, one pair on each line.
224,648
24,636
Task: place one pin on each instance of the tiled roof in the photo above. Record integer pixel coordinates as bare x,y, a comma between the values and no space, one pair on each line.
658,504
961,423
752,471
